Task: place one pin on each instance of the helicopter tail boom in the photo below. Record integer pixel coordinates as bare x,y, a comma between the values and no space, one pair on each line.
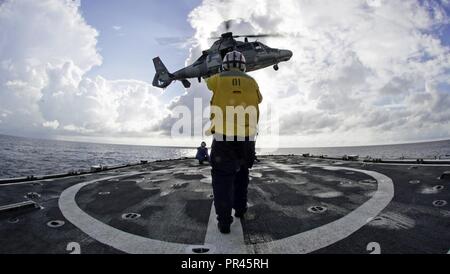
162,77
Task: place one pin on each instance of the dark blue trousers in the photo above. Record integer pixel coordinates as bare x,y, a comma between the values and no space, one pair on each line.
230,161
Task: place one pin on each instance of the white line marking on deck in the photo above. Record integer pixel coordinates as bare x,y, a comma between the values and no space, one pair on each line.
335,231
109,235
232,243
304,242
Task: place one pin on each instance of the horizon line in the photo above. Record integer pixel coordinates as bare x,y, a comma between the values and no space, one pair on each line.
287,147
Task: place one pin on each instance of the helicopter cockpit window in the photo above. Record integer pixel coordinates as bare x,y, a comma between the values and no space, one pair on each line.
258,46
270,49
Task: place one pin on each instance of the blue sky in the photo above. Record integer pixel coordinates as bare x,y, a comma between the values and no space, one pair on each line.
128,33
363,71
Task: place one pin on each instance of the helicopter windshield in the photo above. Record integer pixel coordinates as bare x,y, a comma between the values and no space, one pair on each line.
259,46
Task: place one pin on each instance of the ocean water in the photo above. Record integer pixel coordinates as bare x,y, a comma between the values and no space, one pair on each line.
425,150
25,156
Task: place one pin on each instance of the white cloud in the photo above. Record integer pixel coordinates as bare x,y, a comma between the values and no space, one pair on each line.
362,71
46,49
51,124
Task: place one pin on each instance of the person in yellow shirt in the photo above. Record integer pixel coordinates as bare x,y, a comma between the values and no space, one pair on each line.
234,123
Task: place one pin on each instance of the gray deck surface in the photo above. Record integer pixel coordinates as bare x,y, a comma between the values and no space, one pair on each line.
296,205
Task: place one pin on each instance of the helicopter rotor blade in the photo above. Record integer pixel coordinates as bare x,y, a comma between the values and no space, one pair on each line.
262,35
175,41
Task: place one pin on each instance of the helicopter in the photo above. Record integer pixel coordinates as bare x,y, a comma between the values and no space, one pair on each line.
257,56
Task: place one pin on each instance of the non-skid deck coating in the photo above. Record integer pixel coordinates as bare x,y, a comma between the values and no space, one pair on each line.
296,205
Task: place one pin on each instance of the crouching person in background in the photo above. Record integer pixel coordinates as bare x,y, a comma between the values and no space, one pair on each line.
202,153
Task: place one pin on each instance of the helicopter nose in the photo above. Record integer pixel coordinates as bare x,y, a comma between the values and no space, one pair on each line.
285,55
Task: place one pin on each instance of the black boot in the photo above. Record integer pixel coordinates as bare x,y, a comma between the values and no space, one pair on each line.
223,228
240,213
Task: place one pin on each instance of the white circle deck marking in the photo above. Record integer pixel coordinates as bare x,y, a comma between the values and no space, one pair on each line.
121,240
304,242
335,231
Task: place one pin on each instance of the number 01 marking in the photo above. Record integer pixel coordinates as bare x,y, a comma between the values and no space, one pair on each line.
236,82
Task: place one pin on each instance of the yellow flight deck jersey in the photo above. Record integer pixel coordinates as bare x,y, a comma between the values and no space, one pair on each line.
234,104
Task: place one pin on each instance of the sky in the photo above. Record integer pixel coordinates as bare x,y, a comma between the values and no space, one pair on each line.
363,71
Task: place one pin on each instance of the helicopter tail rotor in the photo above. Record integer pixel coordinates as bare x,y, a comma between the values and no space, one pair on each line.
162,77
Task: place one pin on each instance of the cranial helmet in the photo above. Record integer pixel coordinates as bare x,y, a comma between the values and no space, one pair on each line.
234,59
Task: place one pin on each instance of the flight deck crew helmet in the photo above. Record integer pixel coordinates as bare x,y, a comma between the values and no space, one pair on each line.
234,59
